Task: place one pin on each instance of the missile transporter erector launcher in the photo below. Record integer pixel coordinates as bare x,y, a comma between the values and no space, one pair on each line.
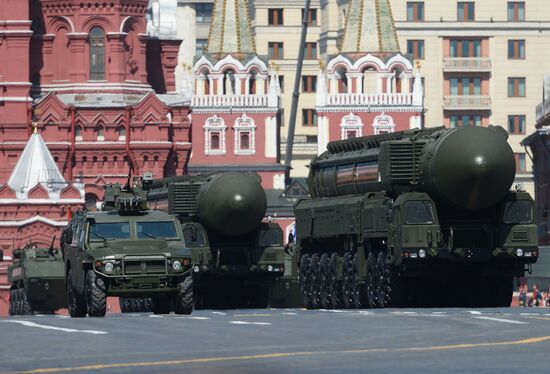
222,218
415,218
129,251
37,281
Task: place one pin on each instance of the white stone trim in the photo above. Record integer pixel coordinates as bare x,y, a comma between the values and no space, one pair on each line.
353,123
212,125
34,219
383,123
31,201
245,124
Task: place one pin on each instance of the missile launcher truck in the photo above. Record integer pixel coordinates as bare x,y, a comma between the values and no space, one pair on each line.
236,255
37,281
126,250
416,218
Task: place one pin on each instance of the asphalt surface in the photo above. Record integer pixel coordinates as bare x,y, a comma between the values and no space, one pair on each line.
283,341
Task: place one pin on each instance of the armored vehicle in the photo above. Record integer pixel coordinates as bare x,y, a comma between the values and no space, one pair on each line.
37,281
126,250
236,255
420,217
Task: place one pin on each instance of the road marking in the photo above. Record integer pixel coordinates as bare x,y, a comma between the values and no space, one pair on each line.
64,329
250,323
290,313
193,317
440,313
61,316
503,320
220,313
544,318
252,315
528,314
206,360
155,316
474,312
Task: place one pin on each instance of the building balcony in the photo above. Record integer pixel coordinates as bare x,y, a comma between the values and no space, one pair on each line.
474,102
362,99
230,101
466,64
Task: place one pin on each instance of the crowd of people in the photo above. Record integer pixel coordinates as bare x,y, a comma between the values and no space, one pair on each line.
534,298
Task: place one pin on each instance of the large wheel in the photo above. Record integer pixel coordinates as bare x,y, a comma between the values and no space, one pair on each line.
390,289
304,278
12,303
162,304
372,284
315,283
148,305
26,309
123,302
347,279
96,295
357,292
334,289
324,284
184,299
75,302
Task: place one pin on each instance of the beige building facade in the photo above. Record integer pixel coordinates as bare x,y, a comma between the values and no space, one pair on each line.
482,61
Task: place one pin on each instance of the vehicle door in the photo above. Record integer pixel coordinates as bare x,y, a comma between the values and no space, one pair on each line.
77,247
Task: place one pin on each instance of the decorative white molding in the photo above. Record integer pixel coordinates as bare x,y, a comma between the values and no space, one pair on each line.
382,124
212,126
351,122
245,124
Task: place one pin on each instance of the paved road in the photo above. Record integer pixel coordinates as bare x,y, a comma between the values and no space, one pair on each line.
283,341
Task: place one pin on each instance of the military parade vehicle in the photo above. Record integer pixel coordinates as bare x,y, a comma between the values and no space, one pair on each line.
37,280
236,255
126,250
416,218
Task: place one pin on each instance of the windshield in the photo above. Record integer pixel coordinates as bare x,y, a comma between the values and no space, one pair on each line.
112,230
194,237
156,230
518,212
270,237
419,212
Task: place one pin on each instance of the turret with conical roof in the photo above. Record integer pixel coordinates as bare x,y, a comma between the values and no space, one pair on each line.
369,28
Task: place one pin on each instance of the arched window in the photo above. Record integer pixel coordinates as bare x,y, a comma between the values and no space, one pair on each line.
78,133
97,54
121,133
100,133
229,83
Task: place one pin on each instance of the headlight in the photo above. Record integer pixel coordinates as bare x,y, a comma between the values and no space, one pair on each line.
109,267
176,265
519,252
421,253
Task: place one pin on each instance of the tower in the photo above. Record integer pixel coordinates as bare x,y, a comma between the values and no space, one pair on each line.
369,87
236,101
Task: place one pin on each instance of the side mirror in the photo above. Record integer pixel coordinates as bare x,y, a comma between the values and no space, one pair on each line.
68,236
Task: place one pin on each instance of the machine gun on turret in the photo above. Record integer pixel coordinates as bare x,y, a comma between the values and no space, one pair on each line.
128,199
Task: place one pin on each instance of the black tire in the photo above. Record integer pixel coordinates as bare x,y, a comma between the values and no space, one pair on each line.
334,288
357,292
184,299
390,284
372,276
12,303
347,279
305,278
147,305
75,302
96,295
315,283
26,309
324,284
123,302
162,304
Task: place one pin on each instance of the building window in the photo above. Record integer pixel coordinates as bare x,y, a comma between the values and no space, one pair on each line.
245,131
516,124
121,133
100,134
311,51
200,47
466,11
203,12
467,120
309,117
351,127
214,136
516,49
516,87
311,18
309,83
275,17
465,48
521,167
415,11
383,124
516,11
275,50
97,54
78,133
465,86
416,48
